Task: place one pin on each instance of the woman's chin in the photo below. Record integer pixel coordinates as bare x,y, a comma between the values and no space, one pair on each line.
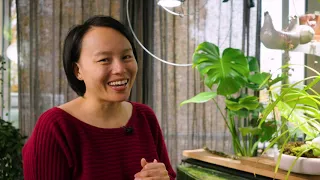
117,98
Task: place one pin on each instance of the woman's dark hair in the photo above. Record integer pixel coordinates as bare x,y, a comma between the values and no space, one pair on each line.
73,43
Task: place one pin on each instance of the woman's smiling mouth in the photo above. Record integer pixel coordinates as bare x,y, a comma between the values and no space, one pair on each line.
119,85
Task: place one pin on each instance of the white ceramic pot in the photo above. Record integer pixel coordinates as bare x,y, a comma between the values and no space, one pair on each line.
303,165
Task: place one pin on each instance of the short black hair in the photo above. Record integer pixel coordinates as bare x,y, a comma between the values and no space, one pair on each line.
73,43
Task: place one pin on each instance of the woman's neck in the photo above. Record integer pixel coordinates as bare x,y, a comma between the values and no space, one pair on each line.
113,114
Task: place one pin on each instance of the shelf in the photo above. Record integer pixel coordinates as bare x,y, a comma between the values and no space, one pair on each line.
312,48
256,165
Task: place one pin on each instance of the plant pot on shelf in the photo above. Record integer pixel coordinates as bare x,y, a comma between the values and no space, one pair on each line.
303,165
300,157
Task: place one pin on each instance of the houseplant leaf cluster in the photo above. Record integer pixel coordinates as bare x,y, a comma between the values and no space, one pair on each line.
300,111
229,75
298,106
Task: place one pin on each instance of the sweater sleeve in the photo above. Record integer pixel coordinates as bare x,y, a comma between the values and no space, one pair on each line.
44,156
160,143
163,153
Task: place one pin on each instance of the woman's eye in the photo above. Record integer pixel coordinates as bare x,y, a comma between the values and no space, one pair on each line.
127,57
104,60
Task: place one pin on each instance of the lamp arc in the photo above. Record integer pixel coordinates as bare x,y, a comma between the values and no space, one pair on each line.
144,48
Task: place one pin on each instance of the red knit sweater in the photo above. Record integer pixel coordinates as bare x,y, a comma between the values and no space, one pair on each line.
63,147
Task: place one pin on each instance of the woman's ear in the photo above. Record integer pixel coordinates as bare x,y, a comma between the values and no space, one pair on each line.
77,72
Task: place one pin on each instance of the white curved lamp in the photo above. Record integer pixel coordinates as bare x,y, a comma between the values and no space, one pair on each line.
169,3
144,48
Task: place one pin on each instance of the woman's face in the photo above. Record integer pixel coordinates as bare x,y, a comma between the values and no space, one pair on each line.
107,65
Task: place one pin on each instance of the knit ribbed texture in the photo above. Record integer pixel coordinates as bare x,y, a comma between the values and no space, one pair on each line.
63,147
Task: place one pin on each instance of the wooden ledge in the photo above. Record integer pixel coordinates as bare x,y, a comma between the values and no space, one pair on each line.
255,165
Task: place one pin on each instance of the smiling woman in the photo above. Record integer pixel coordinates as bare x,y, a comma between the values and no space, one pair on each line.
99,135
108,70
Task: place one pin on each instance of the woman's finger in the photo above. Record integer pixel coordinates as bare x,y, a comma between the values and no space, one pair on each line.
152,173
153,178
154,165
143,162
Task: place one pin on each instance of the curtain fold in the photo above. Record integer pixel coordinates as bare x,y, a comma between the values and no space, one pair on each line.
141,19
5,40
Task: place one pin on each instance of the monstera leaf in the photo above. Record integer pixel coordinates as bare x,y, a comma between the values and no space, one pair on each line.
249,130
200,98
229,72
258,81
249,103
253,64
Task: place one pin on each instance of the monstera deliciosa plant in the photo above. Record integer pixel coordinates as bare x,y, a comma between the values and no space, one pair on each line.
232,73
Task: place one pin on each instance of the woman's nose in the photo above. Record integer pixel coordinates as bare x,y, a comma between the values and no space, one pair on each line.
118,66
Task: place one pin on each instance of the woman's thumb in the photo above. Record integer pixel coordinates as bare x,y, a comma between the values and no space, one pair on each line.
143,162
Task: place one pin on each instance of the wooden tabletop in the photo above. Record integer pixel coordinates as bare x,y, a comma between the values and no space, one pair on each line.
255,165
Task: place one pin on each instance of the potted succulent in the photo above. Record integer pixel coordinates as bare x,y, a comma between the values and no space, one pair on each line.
232,73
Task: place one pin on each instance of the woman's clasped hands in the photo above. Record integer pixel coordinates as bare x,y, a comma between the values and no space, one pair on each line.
152,171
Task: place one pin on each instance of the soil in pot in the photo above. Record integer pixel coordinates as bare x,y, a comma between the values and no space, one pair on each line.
290,150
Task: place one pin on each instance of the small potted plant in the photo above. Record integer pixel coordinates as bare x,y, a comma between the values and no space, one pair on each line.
299,108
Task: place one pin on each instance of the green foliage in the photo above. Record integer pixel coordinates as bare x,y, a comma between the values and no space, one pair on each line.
248,102
232,73
11,142
269,128
201,98
298,149
299,108
295,148
229,72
